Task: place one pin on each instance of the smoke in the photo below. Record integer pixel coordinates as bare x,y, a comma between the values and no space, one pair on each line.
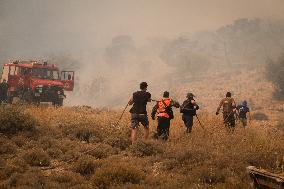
114,45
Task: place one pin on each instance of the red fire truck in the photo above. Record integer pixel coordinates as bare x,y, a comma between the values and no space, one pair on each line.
36,81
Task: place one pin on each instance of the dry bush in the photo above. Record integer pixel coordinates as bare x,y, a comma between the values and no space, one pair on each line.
2,162
54,153
51,146
275,73
146,148
7,147
189,155
46,142
17,165
102,151
37,157
66,179
14,119
120,142
213,159
263,150
207,174
70,154
19,140
280,125
259,116
85,166
87,133
116,173
30,179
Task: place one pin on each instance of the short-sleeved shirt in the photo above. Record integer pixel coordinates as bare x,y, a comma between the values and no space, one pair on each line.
140,99
243,110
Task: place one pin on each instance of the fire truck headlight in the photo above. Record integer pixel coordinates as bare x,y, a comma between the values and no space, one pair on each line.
39,88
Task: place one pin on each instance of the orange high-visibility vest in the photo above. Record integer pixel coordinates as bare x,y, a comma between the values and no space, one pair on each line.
162,108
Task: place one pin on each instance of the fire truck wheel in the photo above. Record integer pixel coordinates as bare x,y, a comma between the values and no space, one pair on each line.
10,99
27,97
58,102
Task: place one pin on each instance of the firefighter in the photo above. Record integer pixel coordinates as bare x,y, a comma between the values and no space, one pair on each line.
3,91
229,109
164,112
243,110
188,110
138,111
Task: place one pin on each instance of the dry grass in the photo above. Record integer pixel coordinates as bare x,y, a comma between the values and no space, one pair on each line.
210,158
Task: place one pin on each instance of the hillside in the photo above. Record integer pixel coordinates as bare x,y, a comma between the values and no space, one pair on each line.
81,147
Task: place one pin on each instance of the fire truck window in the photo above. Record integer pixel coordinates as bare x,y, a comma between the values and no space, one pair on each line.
5,73
66,75
24,71
16,70
12,70
55,74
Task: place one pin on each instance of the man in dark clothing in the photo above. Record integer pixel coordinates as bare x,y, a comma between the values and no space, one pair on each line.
243,109
188,110
3,91
164,112
138,111
229,109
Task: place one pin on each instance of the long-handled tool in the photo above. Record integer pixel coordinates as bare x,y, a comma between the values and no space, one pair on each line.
154,100
201,125
121,114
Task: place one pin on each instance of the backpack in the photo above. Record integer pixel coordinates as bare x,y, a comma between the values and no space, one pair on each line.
168,110
228,105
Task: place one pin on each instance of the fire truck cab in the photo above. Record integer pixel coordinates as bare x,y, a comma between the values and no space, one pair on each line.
35,82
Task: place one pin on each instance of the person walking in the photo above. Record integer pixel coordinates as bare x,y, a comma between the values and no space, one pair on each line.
138,111
3,91
243,110
188,110
229,108
164,112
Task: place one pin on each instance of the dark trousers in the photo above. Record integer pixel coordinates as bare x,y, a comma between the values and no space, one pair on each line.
188,122
163,128
229,119
3,98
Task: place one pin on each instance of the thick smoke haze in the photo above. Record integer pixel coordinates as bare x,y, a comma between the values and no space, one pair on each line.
114,45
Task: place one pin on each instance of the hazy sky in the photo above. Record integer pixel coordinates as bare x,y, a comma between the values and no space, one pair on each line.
63,23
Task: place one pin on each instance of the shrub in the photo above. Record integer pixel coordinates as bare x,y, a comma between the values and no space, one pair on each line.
85,166
102,151
30,179
275,73
280,125
260,116
189,155
208,174
146,148
119,142
17,165
6,147
19,140
117,173
14,119
37,157
85,133
47,142
67,179
54,152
